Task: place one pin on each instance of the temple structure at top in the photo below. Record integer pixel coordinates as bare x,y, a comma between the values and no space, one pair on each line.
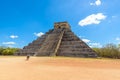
60,25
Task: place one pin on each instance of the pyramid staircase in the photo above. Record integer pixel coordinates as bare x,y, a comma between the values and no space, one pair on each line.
51,44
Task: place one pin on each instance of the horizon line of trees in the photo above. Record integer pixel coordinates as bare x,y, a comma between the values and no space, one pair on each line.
107,51
8,50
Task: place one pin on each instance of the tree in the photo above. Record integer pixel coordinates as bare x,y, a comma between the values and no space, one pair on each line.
1,50
109,51
98,51
9,51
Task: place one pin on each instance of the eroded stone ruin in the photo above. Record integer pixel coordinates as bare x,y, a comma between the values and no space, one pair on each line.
60,41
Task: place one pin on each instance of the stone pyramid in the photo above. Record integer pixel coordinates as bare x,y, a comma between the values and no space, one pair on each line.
60,41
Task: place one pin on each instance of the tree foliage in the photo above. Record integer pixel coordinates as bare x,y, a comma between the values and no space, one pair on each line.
109,51
7,50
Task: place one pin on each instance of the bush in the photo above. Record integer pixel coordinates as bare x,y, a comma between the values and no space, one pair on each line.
8,51
108,51
1,50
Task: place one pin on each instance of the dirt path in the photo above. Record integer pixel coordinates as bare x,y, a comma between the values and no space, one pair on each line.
50,68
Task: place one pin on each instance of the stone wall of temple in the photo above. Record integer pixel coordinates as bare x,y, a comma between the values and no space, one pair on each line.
50,43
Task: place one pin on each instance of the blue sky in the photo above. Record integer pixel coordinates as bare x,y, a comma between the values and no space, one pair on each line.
95,21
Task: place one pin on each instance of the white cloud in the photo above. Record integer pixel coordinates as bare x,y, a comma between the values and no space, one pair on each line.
97,3
9,43
39,34
10,46
91,43
95,45
118,39
118,42
81,36
92,19
114,16
86,40
13,36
